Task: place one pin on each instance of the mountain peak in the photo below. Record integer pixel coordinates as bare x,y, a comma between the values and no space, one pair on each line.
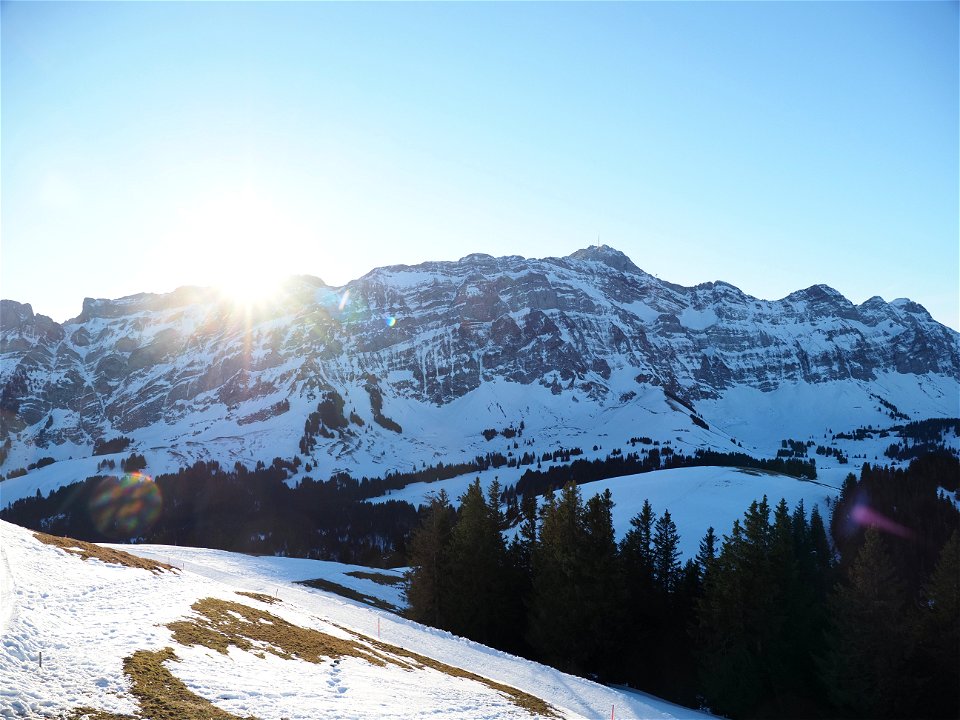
909,306
818,293
608,256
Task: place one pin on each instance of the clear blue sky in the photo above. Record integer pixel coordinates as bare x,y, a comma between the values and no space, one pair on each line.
151,145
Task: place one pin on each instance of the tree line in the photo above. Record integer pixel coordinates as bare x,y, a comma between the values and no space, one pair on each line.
242,510
771,620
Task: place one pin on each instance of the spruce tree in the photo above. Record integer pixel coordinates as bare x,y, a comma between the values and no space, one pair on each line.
603,597
731,676
822,554
574,597
477,565
520,555
785,626
666,554
636,549
707,552
641,616
554,620
868,643
937,657
739,619
428,591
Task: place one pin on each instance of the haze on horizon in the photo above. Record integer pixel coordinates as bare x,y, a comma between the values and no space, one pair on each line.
149,146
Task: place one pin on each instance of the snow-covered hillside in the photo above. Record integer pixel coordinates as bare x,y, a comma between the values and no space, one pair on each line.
697,497
87,616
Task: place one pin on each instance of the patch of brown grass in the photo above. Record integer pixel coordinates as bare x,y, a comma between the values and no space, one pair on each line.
262,597
349,593
160,694
87,550
222,623
90,714
379,578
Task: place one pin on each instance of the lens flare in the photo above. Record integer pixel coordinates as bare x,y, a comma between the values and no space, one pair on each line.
343,300
125,507
390,320
867,517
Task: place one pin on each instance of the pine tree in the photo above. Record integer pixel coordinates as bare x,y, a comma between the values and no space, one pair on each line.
707,552
520,561
784,625
573,599
640,625
867,643
555,615
937,660
666,554
738,618
477,568
603,597
429,588
820,547
731,677
637,545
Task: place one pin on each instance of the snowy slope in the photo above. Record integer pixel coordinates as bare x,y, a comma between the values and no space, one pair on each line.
86,616
702,497
697,497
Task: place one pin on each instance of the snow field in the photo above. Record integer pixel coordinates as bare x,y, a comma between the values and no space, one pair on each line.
703,497
87,616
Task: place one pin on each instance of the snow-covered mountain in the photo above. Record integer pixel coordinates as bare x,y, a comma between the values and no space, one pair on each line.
408,365
212,634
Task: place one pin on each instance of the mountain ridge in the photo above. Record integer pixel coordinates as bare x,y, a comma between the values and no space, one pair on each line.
401,344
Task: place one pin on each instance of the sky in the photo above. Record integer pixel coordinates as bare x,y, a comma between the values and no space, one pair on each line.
146,146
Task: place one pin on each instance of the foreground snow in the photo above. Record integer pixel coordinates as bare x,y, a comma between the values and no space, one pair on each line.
85,617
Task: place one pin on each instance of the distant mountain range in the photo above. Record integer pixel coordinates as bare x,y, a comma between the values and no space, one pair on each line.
408,365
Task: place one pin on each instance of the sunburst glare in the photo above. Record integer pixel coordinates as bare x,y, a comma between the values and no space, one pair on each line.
245,243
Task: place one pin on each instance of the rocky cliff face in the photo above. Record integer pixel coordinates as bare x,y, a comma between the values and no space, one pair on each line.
591,326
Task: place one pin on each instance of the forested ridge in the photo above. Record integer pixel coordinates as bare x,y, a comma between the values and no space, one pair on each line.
769,620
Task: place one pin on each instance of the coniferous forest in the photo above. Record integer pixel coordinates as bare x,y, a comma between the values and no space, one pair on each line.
771,619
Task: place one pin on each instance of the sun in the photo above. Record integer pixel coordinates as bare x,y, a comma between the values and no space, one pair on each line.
244,244
248,290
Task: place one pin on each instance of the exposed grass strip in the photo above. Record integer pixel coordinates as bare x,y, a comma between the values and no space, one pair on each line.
87,550
85,713
349,593
262,597
222,623
162,696
378,578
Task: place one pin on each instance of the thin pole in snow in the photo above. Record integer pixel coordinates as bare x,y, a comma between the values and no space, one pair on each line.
41,658
613,712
